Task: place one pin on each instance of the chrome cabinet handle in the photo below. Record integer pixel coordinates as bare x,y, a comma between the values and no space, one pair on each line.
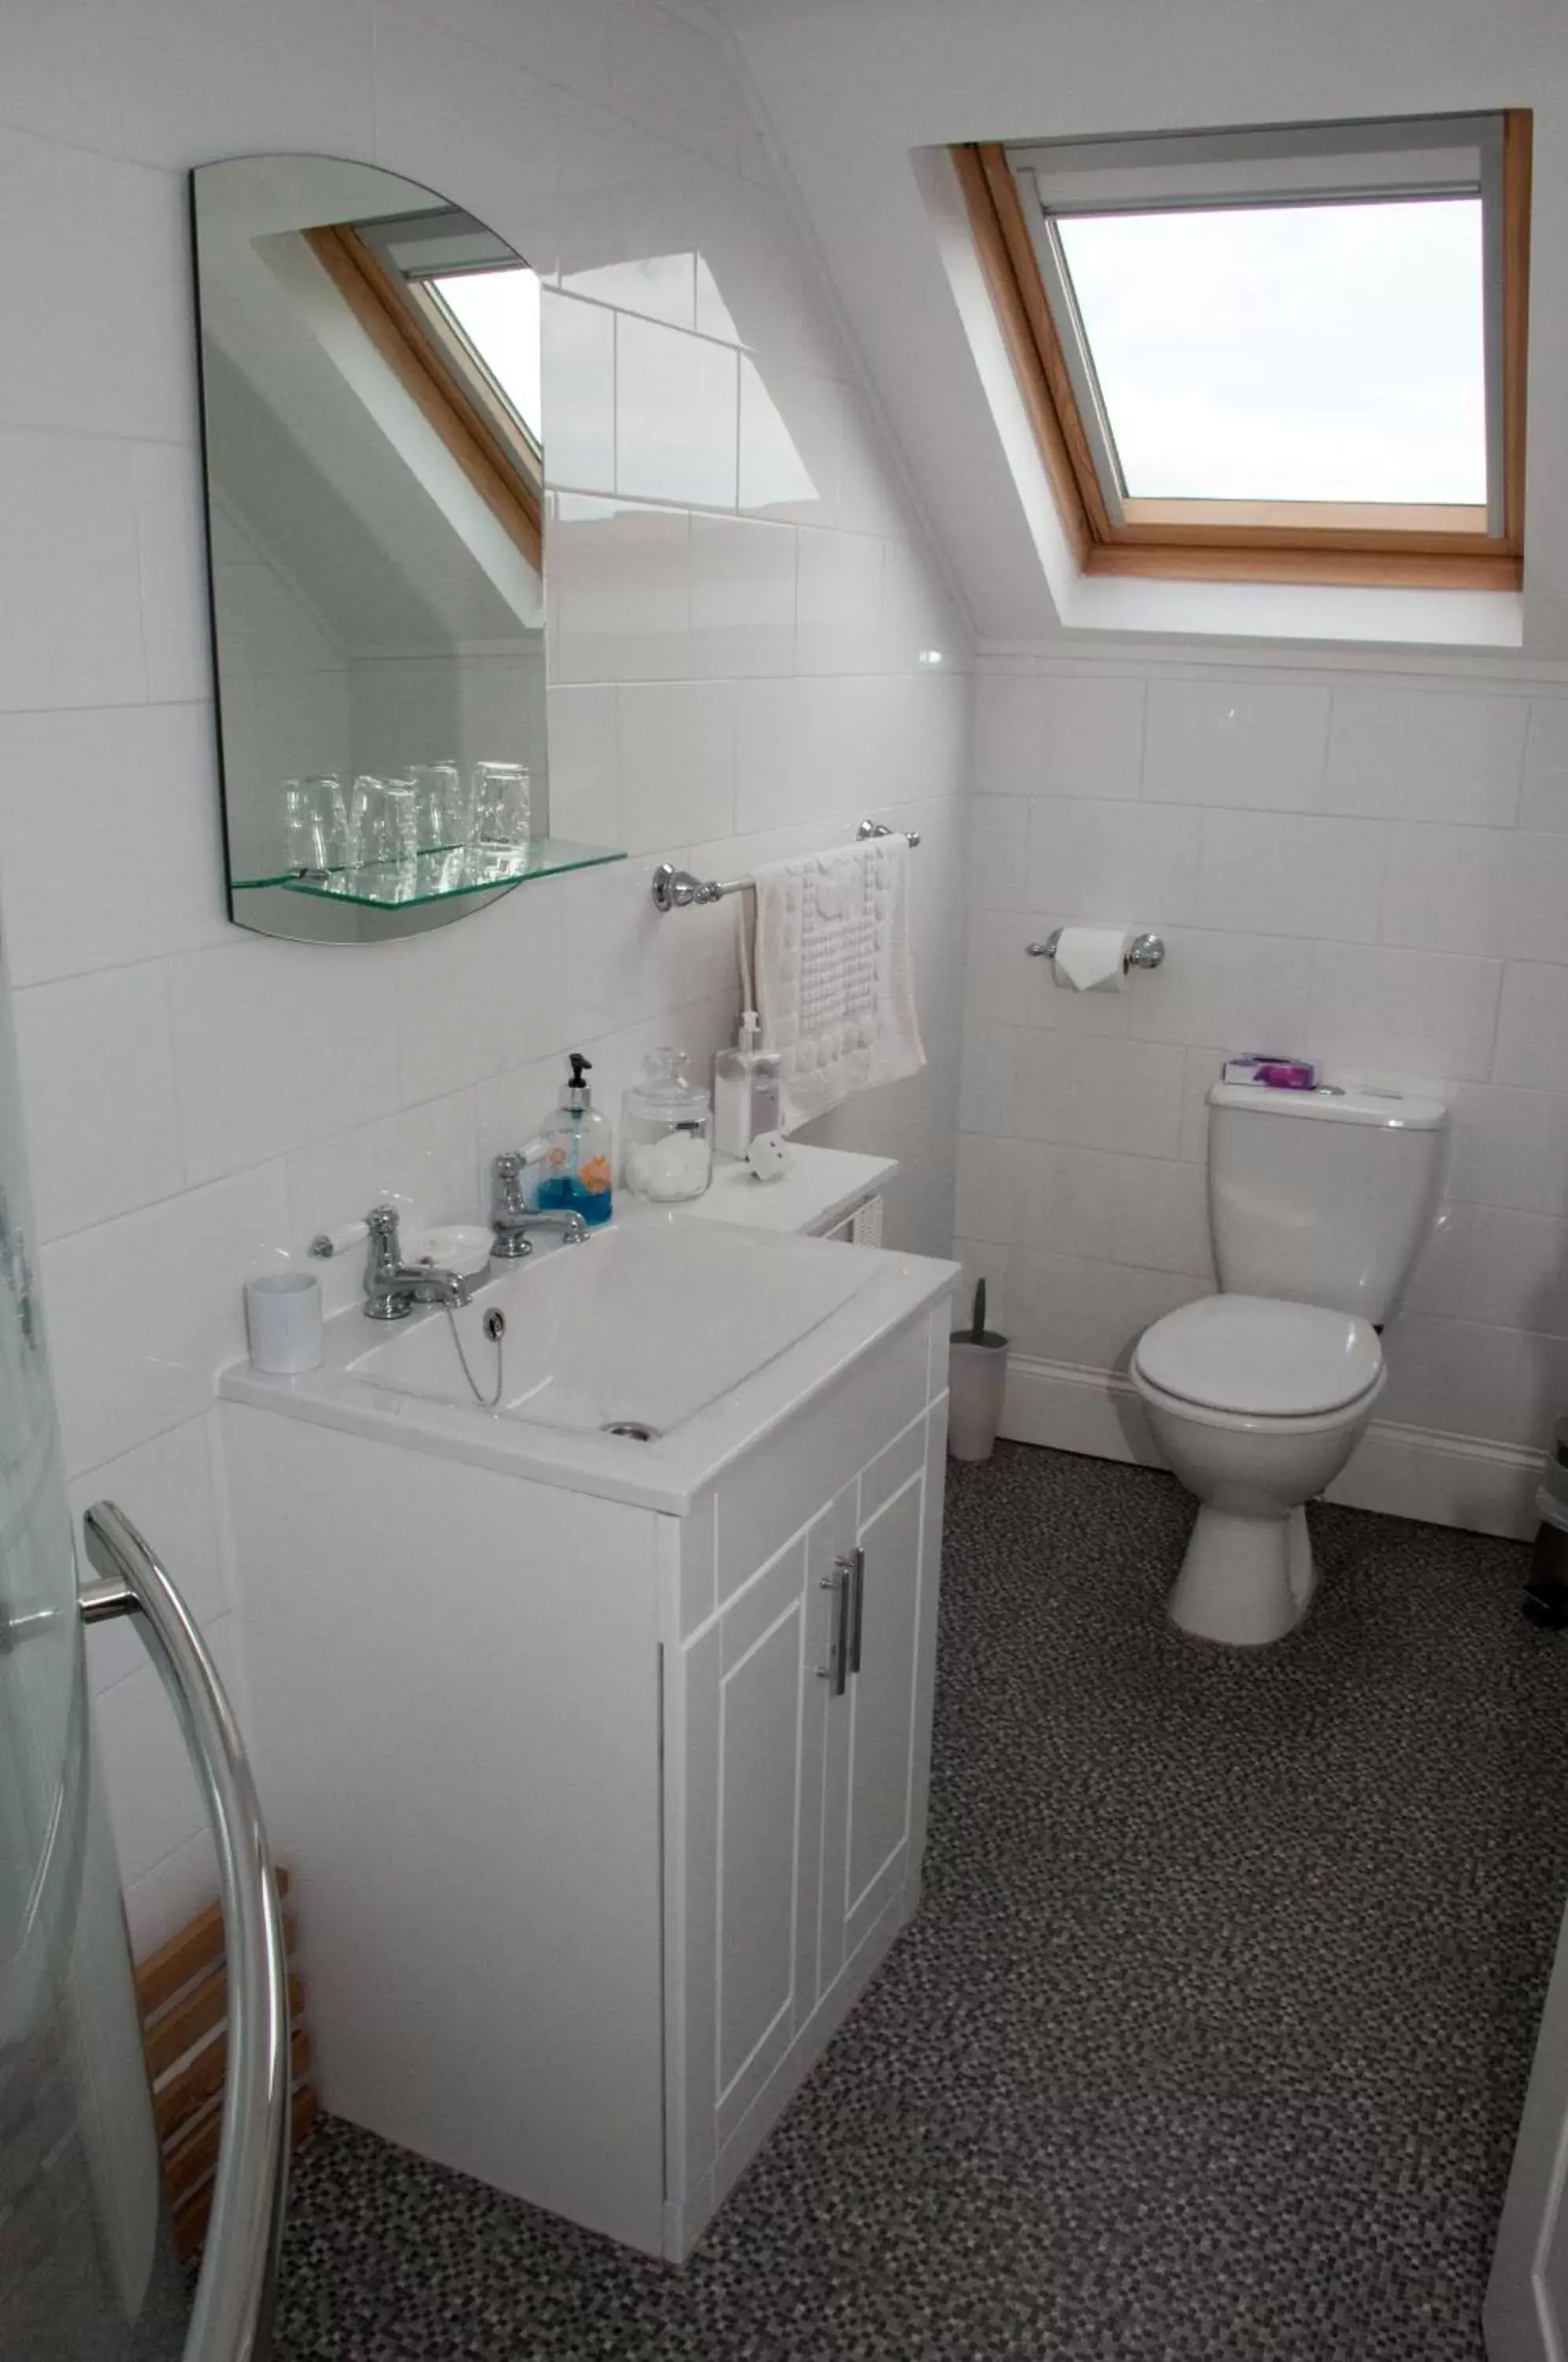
840,1583
857,1613
231,2320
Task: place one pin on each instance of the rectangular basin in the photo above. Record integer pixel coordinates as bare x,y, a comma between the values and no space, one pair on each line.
642,1328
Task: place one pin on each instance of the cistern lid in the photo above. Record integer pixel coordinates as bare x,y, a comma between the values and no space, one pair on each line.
1396,1109
1260,1355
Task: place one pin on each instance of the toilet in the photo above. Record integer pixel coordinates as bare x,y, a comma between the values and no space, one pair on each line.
1318,1203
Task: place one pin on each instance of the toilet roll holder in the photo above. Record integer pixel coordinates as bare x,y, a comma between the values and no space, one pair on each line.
1143,951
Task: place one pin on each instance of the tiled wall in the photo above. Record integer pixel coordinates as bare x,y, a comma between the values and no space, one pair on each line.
1370,869
739,604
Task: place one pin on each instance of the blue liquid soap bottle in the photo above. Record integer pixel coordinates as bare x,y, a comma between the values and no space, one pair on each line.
578,1163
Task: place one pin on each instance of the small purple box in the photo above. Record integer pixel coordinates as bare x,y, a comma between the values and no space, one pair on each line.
1272,1072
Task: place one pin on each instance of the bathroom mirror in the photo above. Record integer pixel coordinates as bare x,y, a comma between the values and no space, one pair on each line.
371,413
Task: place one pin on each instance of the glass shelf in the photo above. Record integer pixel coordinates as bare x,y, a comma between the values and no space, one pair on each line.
439,876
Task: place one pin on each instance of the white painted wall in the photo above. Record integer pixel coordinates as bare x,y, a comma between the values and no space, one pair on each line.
738,595
1367,868
857,90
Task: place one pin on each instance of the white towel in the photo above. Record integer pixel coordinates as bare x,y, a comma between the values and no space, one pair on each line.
834,980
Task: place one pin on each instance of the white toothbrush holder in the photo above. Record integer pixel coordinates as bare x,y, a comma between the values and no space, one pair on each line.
284,1322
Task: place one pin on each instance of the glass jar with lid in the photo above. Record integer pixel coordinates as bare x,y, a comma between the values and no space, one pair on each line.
666,1143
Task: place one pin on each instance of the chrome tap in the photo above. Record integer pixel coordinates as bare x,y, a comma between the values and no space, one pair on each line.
512,1218
393,1288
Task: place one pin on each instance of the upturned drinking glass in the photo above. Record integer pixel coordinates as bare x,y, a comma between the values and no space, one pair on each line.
502,801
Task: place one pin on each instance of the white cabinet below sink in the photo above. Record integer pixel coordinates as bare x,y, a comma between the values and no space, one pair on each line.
590,1859
800,1717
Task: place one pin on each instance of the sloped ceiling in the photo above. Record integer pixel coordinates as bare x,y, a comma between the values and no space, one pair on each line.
853,88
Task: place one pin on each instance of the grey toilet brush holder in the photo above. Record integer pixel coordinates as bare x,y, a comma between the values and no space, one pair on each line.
976,1380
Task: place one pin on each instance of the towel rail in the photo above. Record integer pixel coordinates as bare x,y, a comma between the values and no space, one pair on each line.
678,889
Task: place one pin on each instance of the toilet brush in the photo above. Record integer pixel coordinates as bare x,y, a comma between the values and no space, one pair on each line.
976,1368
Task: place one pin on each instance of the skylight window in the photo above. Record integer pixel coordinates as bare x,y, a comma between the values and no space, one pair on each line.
1290,352
1303,345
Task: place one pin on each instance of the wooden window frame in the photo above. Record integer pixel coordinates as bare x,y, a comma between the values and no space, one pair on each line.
1365,543
404,333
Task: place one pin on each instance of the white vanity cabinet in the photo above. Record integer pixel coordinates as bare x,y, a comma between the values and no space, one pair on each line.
590,1859
799,1716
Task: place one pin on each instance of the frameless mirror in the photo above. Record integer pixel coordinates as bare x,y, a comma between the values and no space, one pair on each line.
370,398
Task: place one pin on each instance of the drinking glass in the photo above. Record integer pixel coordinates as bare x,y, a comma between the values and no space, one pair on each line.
383,817
502,798
316,823
441,814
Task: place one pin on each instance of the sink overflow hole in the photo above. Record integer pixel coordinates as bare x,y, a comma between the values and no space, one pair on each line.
632,1428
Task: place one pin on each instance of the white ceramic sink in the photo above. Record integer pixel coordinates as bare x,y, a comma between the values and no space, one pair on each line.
709,1334
642,1327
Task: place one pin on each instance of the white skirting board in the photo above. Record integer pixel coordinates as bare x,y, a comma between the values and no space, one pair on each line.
1405,1472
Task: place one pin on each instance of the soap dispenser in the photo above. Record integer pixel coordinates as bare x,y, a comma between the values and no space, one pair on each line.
578,1163
745,1090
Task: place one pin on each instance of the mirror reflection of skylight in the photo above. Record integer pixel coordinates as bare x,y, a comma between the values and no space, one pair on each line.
1289,352
498,312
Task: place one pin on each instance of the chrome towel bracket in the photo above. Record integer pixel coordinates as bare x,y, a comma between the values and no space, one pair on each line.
678,889
1143,951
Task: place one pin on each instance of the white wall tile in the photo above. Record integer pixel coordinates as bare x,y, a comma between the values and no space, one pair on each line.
578,343
271,1050
1424,755
1251,991
1457,1377
582,762
743,598
987,1201
1232,742
116,359
1496,891
1510,1148
1398,1016
791,441
474,125
668,76
1064,1309
141,1313
97,1073
1161,1217
1086,1093
1275,873
1533,1030
69,588
998,853
154,1802
482,996
1065,1199
165,1487
1516,1271
1090,737
838,602
171,559
425,1156
676,763
986,1078
1007,734
676,415
1544,800
1136,865
109,838
620,587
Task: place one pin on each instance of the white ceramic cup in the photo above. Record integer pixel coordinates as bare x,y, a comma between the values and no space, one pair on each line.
283,1321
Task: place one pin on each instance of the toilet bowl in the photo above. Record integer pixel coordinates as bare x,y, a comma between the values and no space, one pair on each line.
1257,1404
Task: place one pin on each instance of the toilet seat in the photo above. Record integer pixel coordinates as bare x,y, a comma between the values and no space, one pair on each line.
1261,1357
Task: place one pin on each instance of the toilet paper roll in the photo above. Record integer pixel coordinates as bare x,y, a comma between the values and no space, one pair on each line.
1093,959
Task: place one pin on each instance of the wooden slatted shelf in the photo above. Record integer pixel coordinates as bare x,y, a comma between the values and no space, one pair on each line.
182,1993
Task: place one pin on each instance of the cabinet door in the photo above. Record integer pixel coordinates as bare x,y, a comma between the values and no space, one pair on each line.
873,1729
743,1780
